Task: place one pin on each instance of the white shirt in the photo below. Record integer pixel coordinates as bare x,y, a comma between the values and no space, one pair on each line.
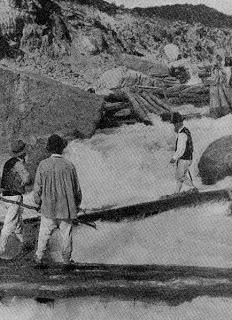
56,155
181,144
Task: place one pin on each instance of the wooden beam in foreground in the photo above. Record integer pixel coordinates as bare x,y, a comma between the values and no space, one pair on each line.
172,284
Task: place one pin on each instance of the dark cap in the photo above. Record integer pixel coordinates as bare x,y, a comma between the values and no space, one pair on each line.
18,148
56,144
177,118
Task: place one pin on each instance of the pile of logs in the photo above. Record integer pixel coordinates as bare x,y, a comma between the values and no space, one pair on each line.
137,106
145,102
181,93
138,100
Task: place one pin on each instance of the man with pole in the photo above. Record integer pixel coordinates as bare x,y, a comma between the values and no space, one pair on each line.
183,155
58,193
14,179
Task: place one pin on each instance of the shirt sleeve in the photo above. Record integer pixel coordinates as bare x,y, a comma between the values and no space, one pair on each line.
22,172
181,145
78,192
37,187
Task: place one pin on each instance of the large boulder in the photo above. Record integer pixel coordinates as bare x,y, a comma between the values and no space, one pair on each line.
32,106
216,161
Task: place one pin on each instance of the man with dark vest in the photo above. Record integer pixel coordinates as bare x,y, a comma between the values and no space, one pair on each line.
14,179
183,153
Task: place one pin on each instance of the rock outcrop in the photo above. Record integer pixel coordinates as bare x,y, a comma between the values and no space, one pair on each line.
32,106
216,161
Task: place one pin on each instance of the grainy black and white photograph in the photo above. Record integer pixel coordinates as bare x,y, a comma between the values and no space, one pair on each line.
115,159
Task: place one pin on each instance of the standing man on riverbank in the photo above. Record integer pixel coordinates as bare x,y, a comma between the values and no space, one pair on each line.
14,179
58,192
183,153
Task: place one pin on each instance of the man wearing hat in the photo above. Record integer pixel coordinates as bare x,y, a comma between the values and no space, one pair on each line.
58,192
14,179
183,152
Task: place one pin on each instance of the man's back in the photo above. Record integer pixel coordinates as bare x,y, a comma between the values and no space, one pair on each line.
57,186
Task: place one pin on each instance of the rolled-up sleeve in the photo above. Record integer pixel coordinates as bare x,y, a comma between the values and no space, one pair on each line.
38,187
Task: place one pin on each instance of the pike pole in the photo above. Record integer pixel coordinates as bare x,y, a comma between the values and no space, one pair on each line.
27,206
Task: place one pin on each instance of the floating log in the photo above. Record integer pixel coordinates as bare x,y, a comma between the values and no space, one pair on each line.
166,203
172,284
146,209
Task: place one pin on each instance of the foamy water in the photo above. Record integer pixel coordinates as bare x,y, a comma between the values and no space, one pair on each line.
106,309
130,165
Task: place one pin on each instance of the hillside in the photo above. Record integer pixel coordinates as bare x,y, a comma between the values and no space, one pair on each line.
77,41
188,13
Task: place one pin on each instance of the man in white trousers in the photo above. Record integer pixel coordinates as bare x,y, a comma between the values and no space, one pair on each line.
58,192
183,155
14,179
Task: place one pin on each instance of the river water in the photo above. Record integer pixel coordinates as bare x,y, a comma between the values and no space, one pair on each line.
129,165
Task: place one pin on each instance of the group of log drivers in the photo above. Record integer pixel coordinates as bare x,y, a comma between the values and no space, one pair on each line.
57,191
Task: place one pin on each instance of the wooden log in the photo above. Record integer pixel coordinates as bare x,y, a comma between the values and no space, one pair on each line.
199,100
154,108
141,103
116,106
143,210
159,102
175,90
198,89
156,90
144,103
146,209
148,87
172,284
138,110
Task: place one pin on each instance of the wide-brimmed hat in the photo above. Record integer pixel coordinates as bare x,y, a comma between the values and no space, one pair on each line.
177,118
18,148
55,143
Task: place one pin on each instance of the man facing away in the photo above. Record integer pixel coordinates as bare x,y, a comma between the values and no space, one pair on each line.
183,153
58,192
14,179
